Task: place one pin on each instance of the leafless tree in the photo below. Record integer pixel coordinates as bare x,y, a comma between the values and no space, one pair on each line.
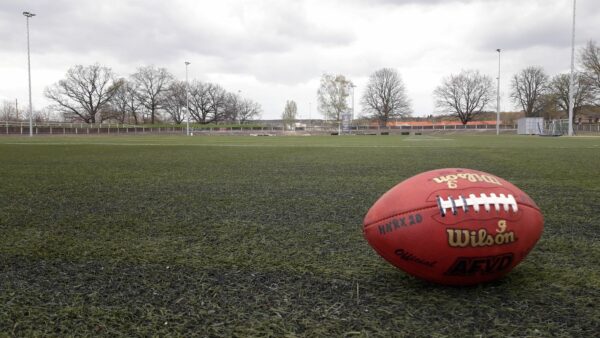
45,114
84,93
152,83
332,96
125,103
549,105
207,102
8,111
385,96
232,105
584,92
175,101
199,102
590,61
289,114
528,87
465,95
249,110
239,109
117,107
217,100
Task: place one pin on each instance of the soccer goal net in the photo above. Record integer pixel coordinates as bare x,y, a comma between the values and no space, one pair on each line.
556,127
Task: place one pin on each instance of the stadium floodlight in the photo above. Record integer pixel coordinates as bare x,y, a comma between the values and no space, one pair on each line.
187,101
498,96
572,78
27,16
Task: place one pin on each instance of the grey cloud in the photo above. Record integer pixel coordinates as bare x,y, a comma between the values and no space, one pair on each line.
523,37
156,30
544,30
418,2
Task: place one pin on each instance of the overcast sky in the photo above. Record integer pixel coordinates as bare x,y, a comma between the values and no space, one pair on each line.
276,50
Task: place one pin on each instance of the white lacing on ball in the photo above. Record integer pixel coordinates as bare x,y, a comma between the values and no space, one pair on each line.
475,202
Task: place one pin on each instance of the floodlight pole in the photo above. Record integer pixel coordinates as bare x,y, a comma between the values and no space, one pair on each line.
237,108
27,16
572,78
309,113
352,86
498,96
187,101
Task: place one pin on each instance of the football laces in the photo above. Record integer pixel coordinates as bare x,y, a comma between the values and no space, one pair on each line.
476,203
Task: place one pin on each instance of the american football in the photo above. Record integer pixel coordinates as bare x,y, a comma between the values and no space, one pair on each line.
454,226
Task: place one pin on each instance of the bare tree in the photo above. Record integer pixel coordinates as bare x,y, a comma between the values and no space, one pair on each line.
84,93
43,115
385,96
239,109
151,84
208,102
584,92
217,100
125,103
332,96
8,111
528,87
231,109
289,114
248,110
464,95
590,62
549,105
200,103
175,101
118,103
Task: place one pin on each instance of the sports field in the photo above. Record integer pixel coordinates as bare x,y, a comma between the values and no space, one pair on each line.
262,236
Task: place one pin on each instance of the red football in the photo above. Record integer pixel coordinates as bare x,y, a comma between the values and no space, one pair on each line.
454,226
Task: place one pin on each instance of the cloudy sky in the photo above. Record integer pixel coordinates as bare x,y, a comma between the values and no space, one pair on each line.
276,50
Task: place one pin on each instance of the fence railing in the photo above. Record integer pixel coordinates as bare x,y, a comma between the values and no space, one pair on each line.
592,128
83,129
57,128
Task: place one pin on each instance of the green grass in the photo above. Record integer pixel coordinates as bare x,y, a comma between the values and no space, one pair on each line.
261,236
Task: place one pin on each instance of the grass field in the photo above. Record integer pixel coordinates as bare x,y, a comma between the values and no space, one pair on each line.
242,236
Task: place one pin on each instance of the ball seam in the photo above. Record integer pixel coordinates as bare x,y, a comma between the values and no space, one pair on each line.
365,226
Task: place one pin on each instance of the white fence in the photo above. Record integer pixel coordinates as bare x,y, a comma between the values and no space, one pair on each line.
49,128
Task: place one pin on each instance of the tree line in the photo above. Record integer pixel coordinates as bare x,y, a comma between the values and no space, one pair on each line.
466,94
383,99
533,91
94,94
536,93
